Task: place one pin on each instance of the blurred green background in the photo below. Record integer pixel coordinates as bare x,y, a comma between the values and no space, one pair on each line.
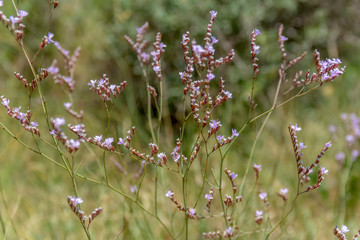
33,191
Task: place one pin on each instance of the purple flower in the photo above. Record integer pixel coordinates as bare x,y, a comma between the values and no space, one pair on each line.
1,3
213,13
296,128
198,49
74,144
210,76
108,142
284,191
157,68
22,13
283,38
302,146
344,229
259,213
233,176
98,138
169,194
324,170
121,141
5,101
161,156
214,40
75,200
14,20
327,145
49,37
262,195
58,122
229,230
257,167
219,138
234,133
214,125
208,197
34,124
162,46
228,94
92,84
67,105
256,49
256,32
192,212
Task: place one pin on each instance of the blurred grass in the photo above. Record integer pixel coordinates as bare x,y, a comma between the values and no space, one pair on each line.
33,191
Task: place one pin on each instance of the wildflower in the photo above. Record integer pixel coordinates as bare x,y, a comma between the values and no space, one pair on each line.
228,232
47,39
162,157
234,133
121,141
107,142
1,3
302,145
283,193
208,196
257,169
344,229
75,200
213,13
258,216
133,188
22,14
214,126
296,128
263,195
169,194
67,105
98,139
219,138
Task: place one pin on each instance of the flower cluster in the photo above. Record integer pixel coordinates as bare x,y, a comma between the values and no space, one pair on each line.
203,58
71,145
23,118
47,39
159,49
257,170
326,71
283,193
221,140
105,144
14,24
161,158
43,74
254,51
140,44
232,176
227,233
259,217
304,172
74,203
263,197
70,62
103,88
209,197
